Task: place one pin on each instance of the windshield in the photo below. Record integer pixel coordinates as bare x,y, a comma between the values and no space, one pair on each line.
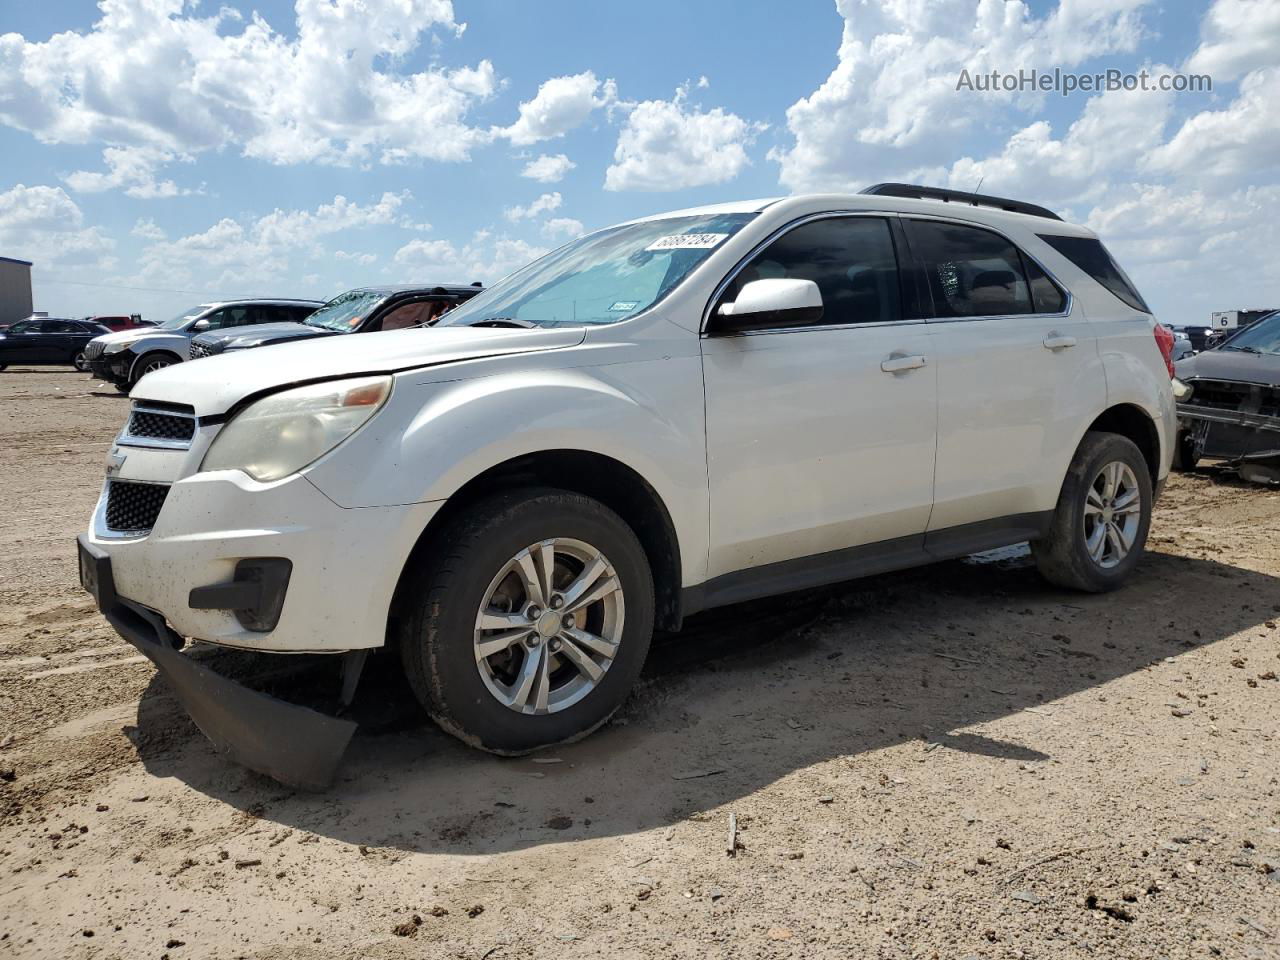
1262,337
346,311
185,317
604,277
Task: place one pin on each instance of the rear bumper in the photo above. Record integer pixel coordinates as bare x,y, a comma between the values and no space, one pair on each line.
295,745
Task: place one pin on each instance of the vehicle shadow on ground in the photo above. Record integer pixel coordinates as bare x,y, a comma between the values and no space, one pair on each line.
744,697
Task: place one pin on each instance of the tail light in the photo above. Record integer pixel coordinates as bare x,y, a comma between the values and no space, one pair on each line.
1164,340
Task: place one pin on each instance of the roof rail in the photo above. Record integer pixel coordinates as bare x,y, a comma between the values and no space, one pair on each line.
914,192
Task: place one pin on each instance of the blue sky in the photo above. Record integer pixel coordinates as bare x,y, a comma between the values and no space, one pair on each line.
159,152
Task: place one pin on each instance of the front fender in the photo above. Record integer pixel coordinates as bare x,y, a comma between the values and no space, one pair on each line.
435,437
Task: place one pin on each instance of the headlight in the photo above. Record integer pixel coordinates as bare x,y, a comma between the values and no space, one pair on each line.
1181,391
119,345
280,434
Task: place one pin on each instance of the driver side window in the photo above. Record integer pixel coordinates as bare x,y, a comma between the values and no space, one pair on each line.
851,259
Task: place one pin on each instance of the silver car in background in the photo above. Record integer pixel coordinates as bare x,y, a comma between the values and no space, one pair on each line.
123,358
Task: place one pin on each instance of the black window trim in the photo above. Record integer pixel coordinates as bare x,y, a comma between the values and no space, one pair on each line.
1143,307
906,295
918,265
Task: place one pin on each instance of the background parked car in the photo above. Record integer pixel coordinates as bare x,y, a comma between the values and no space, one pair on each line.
1229,400
116,322
48,341
124,358
362,310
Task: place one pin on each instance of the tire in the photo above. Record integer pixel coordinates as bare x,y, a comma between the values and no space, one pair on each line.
79,362
469,568
122,387
1063,555
1184,454
156,360
4,366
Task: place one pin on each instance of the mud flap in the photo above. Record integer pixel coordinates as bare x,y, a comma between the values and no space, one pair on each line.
297,746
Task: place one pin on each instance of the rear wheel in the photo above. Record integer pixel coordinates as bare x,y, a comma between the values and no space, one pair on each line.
79,362
1100,524
529,622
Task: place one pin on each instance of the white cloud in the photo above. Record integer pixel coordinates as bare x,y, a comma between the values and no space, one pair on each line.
134,169
44,225
670,145
326,92
548,168
894,86
484,258
544,204
146,229
560,105
363,259
230,252
1237,36
562,227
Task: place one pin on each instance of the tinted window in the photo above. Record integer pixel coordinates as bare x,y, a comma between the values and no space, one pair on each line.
24,326
971,272
60,326
406,315
851,259
1092,257
1045,294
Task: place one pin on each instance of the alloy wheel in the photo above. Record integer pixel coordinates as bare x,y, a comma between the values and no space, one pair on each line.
549,626
1112,514
159,363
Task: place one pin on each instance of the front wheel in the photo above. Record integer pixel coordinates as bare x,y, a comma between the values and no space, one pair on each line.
1185,454
149,363
529,621
1100,524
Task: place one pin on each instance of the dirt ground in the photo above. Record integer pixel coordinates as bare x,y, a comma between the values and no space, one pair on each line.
952,762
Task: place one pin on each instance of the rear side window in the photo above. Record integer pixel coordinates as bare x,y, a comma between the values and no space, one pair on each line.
971,272
851,259
1092,257
1045,294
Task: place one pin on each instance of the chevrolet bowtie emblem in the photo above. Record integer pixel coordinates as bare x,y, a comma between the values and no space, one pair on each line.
115,460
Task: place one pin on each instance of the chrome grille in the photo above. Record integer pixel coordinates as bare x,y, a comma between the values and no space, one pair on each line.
199,350
153,425
93,350
134,507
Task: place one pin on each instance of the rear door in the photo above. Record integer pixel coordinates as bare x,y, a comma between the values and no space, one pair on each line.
821,438
1018,382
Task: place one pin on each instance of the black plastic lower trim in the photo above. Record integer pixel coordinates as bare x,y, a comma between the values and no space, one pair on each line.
295,745
865,560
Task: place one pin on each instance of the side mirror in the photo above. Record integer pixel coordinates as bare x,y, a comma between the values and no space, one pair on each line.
201,325
765,304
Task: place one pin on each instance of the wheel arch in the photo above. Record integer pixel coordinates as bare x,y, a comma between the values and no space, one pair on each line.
596,475
1131,421
151,353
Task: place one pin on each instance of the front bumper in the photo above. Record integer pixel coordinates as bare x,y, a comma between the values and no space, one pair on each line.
295,745
112,367
344,562
1229,434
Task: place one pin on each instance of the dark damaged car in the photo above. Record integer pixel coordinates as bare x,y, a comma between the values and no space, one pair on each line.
1229,403
362,310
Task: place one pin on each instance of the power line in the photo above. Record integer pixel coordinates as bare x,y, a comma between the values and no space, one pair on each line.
122,286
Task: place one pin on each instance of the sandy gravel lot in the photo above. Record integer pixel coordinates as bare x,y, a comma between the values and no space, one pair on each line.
953,762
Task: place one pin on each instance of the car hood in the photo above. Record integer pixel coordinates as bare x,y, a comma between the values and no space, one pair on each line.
135,333
217,383
262,333
1231,365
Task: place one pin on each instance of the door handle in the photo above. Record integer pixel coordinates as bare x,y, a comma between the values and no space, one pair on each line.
1057,341
897,363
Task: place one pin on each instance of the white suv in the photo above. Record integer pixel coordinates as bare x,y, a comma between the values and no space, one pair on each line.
676,413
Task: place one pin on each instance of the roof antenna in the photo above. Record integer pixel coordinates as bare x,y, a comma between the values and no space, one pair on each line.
979,186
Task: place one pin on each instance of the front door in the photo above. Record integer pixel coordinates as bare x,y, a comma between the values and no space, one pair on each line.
821,438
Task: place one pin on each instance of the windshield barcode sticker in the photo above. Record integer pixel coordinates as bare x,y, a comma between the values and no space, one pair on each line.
687,241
